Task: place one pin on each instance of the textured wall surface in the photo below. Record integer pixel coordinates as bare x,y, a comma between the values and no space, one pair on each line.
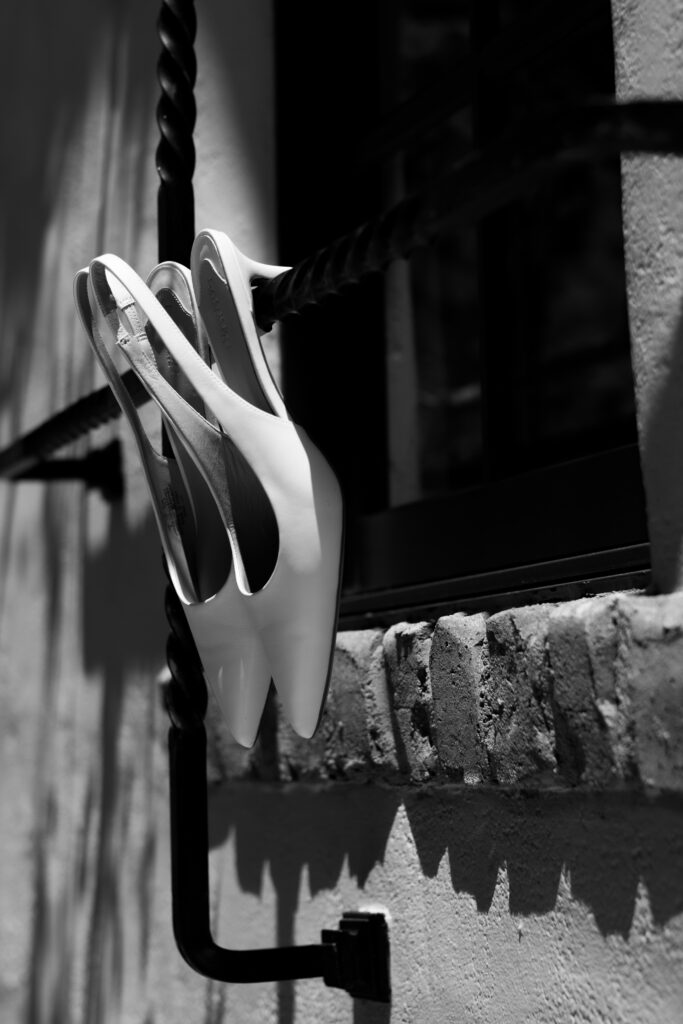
507,787
84,889
648,43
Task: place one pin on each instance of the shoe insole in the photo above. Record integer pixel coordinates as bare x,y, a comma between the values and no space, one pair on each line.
201,527
229,345
250,509
180,528
165,362
253,518
171,497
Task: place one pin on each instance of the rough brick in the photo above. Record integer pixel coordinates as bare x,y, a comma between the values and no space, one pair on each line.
407,648
587,693
367,648
652,664
582,652
611,689
516,711
456,674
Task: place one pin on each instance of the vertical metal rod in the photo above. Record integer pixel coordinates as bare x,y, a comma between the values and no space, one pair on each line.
355,957
190,874
186,698
176,115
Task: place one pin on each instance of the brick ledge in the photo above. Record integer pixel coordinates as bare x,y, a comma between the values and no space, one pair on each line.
587,692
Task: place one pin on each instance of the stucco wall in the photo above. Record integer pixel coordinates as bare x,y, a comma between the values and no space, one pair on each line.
507,788
84,907
648,36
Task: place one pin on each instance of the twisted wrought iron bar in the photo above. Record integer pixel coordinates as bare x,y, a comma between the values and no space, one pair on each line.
176,115
461,197
473,189
186,694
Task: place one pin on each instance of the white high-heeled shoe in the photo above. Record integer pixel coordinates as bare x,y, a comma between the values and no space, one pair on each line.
293,601
191,528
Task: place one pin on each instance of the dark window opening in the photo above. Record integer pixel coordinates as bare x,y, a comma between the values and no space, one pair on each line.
477,399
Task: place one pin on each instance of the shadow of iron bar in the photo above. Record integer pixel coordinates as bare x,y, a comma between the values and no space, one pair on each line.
99,469
92,411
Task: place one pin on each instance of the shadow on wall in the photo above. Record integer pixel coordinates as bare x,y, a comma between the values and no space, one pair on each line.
123,606
321,830
73,72
123,628
85,71
606,844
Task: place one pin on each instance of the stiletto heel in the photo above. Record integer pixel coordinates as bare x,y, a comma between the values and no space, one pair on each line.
191,529
294,495
222,276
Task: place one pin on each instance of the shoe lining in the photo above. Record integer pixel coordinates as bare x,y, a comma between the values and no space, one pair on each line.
223,326
251,512
202,531
253,518
171,498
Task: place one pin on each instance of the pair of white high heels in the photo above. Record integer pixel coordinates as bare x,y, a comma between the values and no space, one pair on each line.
249,512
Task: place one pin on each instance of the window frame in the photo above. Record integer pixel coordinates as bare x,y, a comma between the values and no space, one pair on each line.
577,526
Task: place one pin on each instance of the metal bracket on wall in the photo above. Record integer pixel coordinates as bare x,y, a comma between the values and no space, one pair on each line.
354,957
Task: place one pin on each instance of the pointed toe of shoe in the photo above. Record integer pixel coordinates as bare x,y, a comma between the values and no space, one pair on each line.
234,661
302,681
241,688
